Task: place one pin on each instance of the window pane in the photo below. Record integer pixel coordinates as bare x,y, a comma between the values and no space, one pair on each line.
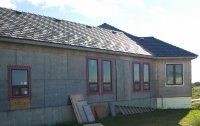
179,74
136,72
15,91
170,74
107,87
93,87
146,73
19,77
24,91
137,86
146,86
92,66
106,71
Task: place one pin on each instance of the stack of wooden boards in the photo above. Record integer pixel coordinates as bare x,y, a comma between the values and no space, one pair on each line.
82,109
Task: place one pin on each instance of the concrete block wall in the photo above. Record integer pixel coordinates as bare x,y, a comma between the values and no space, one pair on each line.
37,117
177,90
57,73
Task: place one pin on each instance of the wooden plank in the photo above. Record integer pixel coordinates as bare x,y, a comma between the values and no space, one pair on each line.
121,110
74,99
101,110
80,105
88,113
22,103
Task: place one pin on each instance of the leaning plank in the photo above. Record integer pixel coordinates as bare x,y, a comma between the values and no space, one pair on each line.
74,99
121,110
80,105
101,110
88,113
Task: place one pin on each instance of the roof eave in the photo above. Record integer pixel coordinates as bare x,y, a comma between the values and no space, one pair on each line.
66,46
178,57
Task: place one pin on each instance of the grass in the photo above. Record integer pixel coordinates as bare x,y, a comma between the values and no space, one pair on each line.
195,92
175,117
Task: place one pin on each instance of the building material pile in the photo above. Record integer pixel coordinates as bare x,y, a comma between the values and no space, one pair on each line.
81,109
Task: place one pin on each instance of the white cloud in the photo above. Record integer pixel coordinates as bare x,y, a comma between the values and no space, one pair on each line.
7,4
90,8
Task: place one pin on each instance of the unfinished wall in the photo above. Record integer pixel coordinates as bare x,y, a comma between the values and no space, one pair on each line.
174,96
174,90
56,73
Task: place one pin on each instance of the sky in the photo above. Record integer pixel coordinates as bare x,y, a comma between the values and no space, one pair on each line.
174,21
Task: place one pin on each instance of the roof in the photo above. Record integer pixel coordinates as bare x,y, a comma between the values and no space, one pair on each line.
41,29
156,47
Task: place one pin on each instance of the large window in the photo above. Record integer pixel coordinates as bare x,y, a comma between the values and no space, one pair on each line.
174,74
141,77
106,74
136,77
93,75
146,74
19,81
99,68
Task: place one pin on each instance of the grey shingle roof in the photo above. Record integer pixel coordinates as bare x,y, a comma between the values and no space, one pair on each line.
27,26
156,47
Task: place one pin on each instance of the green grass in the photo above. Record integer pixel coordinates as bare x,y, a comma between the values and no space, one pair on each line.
195,92
178,117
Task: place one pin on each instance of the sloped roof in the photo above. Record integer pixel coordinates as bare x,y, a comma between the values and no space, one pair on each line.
27,26
156,47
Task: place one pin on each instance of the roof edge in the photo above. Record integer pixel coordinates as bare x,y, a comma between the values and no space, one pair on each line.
66,46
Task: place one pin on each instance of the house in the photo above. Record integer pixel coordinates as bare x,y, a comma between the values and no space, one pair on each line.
44,60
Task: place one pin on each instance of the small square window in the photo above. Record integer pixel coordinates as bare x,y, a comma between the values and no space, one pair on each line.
19,81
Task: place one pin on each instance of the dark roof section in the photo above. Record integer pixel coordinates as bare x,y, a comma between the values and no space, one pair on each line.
156,47
42,29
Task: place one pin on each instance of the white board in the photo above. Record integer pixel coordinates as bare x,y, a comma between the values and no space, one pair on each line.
80,105
89,114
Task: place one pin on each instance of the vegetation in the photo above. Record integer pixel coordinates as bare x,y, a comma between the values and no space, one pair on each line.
195,92
173,117
183,117
196,84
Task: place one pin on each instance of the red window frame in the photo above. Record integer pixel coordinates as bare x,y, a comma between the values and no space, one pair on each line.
174,74
148,82
87,76
10,86
140,87
102,72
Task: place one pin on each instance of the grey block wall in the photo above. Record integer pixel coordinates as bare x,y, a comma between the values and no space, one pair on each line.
57,73
37,117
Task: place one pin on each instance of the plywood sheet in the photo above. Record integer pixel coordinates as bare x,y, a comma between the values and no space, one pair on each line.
88,113
74,99
101,110
22,103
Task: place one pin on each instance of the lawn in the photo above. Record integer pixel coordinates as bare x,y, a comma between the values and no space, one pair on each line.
170,117
178,117
195,92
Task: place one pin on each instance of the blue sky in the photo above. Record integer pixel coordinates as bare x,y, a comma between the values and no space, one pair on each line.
174,21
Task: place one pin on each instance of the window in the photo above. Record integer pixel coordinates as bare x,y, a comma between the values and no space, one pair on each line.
19,81
136,77
99,68
146,82
174,74
93,75
106,74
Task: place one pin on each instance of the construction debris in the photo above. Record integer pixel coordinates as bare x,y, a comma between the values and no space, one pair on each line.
101,110
81,109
